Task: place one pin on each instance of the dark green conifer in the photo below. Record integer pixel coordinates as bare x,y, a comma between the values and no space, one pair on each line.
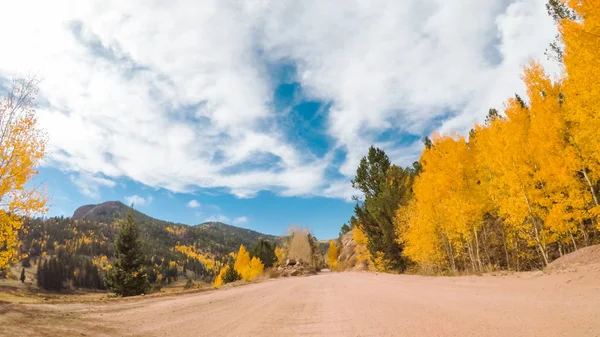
128,276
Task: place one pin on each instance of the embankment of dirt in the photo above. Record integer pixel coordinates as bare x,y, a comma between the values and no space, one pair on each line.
588,257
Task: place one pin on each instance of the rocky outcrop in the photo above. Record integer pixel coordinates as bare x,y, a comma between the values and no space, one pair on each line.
82,211
347,260
294,267
348,251
104,211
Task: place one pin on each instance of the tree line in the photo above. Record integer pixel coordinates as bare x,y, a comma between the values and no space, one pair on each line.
519,191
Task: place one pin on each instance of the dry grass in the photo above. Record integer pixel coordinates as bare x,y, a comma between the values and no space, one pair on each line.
13,291
272,273
299,246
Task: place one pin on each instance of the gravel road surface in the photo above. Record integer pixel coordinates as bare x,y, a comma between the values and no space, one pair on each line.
341,304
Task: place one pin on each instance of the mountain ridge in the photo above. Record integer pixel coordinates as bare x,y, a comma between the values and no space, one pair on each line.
112,210
216,236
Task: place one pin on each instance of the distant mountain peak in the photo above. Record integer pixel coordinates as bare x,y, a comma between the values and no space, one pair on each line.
102,210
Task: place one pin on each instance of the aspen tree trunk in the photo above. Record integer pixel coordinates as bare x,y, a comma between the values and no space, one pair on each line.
533,219
518,267
534,222
485,246
560,249
477,249
591,186
450,253
539,245
506,249
585,234
471,257
573,240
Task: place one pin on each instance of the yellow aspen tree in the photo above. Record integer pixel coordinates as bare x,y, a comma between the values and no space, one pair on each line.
422,239
248,268
530,175
485,147
564,198
191,252
332,255
380,264
22,147
581,89
425,240
255,268
508,156
360,250
446,195
281,255
219,279
242,261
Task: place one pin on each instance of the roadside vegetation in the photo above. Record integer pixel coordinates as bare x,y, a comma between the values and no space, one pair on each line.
520,191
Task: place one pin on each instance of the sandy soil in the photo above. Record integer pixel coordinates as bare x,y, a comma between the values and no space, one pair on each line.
340,304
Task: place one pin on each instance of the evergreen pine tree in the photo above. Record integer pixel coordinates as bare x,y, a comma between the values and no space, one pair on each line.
265,251
127,277
231,275
385,187
42,279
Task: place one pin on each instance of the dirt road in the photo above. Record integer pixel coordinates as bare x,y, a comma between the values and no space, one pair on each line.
341,304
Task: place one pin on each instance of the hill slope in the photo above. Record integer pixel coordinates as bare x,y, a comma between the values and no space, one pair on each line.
92,229
214,237
76,251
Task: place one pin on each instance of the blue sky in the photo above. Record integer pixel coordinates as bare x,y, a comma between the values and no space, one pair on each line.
265,213
255,112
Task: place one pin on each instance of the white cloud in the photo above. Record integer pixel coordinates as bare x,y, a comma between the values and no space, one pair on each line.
138,201
193,204
240,220
217,218
196,111
340,189
90,185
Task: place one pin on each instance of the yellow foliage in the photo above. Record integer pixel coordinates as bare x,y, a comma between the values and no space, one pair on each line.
255,268
219,279
581,39
281,255
416,224
248,268
535,169
190,251
332,255
360,250
175,230
380,264
22,147
242,260
101,262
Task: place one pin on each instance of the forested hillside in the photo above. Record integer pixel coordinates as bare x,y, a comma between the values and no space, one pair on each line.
214,237
79,249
